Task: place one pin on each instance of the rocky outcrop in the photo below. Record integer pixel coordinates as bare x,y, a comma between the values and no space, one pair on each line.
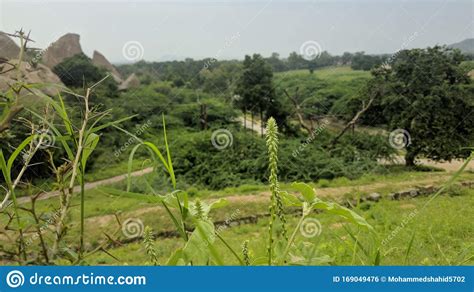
40,74
65,47
131,82
101,61
8,48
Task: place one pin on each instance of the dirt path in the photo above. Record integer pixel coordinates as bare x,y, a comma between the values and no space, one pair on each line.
334,193
448,166
247,122
92,185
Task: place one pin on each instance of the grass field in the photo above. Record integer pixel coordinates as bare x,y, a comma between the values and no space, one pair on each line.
439,237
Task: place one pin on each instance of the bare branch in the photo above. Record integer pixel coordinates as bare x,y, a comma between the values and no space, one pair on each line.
294,99
352,122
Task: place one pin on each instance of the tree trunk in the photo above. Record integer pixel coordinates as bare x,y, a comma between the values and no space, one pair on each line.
294,99
410,157
245,118
252,120
261,123
203,119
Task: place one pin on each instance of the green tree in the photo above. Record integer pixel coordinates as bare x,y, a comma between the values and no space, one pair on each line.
361,61
255,87
78,70
278,65
296,61
428,94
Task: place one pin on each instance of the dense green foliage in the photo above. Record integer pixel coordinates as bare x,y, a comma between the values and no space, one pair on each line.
198,163
78,71
326,92
427,93
360,61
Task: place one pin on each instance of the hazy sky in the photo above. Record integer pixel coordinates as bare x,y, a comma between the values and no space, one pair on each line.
231,29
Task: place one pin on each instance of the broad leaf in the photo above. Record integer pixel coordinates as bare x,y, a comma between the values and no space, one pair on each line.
308,193
347,214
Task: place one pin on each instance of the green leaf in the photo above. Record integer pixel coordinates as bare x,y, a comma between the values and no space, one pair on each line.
290,200
168,153
17,151
305,190
197,249
218,204
206,208
156,151
58,134
347,214
6,173
64,116
89,146
377,258
176,258
409,247
113,123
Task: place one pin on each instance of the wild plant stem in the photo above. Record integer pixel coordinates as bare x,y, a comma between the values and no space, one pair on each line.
231,249
292,238
270,232
76,166
81,245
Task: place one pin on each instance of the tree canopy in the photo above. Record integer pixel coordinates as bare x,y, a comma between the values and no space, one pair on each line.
428,94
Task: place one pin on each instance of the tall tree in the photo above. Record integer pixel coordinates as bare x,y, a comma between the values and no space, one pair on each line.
255,86
428,94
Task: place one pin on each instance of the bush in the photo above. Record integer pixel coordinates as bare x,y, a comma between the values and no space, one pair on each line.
198,163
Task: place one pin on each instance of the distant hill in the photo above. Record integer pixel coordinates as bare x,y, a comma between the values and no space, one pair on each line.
465,46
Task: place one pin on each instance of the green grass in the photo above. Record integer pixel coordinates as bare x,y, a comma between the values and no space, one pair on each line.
442,235
114,170
102,206
329,73
101,202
